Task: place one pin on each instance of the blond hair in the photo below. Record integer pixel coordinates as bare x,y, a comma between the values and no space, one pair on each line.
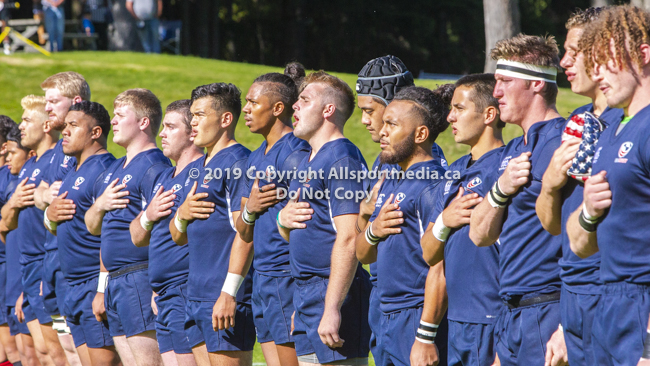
34,103
69,83
339,92
144,103
626,27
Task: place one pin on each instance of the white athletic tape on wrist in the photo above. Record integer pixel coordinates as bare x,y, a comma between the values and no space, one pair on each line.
102,283
232,283
440,231
145,223
525,71
247,217
425,341
587,216
559,327
494,203
371,238
422,322
181,225
50,224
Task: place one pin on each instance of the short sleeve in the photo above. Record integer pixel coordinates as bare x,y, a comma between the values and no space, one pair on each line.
292,161
428,203
438,204
236,185
338,187
150,177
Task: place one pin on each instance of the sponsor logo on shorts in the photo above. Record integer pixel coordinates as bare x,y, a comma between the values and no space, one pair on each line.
78,182
622,151
126,179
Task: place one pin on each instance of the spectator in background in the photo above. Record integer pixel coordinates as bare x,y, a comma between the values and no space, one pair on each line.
54,23
39,17
147,12
101,17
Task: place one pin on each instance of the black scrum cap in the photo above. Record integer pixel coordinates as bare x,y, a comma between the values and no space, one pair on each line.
383,77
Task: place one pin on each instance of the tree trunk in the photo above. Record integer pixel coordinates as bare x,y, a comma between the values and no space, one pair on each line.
597,3
645,4
501,19
124,36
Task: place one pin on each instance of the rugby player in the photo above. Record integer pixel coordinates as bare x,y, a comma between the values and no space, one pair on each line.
377,83
84,138
472,273
62,90
412,122
268,112
17,155
332,289
38,135
528,255
206,223
8,352
561,195
151,228
613,219
119,199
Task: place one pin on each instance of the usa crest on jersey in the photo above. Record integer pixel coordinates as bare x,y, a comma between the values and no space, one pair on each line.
78,182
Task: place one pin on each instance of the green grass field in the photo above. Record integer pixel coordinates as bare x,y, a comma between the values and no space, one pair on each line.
174,77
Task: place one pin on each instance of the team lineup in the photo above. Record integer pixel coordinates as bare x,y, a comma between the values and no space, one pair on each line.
525,253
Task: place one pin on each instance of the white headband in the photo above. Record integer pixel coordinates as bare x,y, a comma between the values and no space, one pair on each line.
525,71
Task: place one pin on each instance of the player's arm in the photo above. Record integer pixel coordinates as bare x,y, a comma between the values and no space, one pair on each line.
22,197
111,199
343,267
487,219
293,216
259,200
241,257
61,209
424,351
583,223
159,207
366,254
549,201
99,309
192,208
385,223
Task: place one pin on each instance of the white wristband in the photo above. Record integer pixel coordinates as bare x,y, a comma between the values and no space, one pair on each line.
49,224
102,283
181,225
232,283
248,217
559,327
145,223
588,217
440,231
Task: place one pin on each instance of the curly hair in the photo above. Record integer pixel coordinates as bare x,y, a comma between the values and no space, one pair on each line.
626,27
581,18
431,106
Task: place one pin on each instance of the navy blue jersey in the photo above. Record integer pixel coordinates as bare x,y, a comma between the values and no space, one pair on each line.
210,240
401,270
528,257
31,231
60,165
14,286
271,250
472,272
117,247
324,186
78,249
169,263
5,179
624,231
582,275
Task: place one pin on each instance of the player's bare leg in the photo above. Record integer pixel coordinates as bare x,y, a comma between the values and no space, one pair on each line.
67,343
287,354
9,344
200,353
123,349
39,343
185,359
231,358
169,358
106,356
144,348
28,355
84,356
270,354
54,348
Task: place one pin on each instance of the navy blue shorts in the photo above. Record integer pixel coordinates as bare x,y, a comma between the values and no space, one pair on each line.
170,322
620,324
85,329
239,338
54,284
32,277
309,302
128,304
15,327
272,303
471,344
578,312
522,333
374,321
3,294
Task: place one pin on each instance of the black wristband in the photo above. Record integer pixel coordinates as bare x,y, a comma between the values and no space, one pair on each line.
499,192
646,347
589,227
